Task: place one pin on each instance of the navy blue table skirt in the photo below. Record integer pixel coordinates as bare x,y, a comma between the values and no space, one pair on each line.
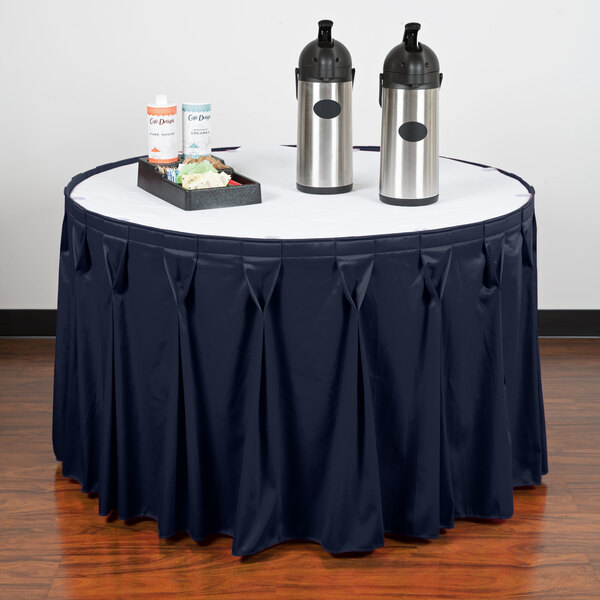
329,390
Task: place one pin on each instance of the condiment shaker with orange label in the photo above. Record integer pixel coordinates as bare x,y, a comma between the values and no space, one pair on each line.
162,130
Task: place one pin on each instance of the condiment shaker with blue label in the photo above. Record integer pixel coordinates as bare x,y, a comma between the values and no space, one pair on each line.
324,80
408,95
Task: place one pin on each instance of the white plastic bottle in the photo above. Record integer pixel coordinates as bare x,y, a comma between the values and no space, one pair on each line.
196,129
162,131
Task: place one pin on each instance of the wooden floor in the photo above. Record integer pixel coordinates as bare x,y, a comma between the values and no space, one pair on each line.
53,544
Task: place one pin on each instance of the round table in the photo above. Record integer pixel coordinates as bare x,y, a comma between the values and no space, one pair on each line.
327,368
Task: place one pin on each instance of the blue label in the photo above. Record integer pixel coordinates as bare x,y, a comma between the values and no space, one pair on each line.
195,107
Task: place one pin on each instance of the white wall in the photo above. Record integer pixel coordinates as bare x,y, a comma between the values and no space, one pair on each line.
521,91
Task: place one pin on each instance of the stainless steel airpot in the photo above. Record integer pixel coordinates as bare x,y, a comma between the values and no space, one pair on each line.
324,79
408,95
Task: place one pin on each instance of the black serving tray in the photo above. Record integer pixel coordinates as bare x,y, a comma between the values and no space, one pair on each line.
152,181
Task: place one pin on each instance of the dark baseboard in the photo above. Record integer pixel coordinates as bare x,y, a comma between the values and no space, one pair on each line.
562,323
568,323
28,322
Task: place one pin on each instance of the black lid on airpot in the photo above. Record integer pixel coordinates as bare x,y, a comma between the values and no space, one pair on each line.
325,59
411,64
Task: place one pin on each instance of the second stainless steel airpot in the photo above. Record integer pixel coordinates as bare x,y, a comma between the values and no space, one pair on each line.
408,95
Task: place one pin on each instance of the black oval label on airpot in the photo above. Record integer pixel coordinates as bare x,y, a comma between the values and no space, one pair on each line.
327,109
413,131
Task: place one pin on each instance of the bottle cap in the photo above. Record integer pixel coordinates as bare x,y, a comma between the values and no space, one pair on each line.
161,100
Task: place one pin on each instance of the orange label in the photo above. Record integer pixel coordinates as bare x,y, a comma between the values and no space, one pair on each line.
159,161
162,110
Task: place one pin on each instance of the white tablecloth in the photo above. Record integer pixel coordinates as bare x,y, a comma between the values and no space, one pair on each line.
468,194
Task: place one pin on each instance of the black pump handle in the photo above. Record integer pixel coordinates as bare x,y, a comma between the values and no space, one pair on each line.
410,36
325,40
